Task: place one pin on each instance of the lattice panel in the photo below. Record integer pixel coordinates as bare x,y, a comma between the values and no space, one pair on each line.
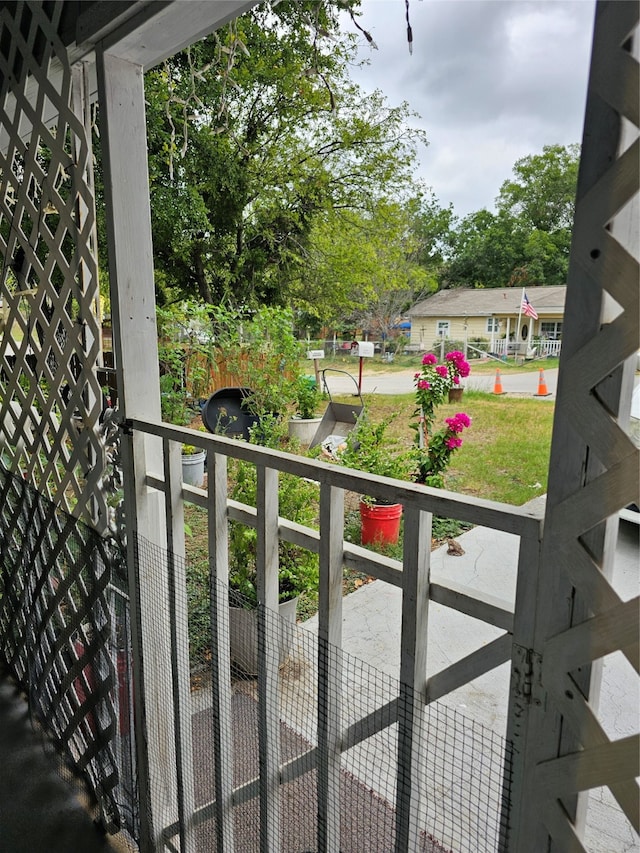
64,636
51,397
590,421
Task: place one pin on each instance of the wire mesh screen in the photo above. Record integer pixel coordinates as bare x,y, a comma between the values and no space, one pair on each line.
64,635
459,766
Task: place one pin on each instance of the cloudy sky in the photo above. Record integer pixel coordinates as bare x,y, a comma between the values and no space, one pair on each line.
492,80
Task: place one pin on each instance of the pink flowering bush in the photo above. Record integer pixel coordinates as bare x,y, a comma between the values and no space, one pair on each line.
433,450
457,366
432,386
433,459
434,381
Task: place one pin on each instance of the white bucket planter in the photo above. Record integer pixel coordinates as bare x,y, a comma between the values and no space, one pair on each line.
243,634
193,468
304,429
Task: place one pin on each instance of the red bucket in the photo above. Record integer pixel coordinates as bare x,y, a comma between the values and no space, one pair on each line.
380,523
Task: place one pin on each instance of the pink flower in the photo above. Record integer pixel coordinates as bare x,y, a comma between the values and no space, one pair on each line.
416,376
429,358
441,370
423,385
458,422
456,380
453,442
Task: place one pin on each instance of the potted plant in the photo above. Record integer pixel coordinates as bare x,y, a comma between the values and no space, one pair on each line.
193,461
368,448
458,368
306,420
298,567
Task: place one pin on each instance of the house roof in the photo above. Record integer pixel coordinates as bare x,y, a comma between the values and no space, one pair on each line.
487,302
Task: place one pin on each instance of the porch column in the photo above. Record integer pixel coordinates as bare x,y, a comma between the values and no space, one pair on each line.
128,220
561,749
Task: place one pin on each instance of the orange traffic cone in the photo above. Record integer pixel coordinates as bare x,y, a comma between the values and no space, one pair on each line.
542,386
497,385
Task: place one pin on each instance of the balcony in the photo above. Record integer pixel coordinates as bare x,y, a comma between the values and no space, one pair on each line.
319,723
325,751
318,744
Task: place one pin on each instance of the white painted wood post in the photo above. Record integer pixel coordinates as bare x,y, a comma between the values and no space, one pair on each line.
128,220
267,564
525,697
413,671
179,628
330,667
218,535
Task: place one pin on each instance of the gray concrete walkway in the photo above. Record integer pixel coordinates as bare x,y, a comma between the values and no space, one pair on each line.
371,632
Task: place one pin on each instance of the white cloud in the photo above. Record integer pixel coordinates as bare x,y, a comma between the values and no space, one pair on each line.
493,81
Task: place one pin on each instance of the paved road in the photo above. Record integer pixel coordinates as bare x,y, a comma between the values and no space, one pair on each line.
401,382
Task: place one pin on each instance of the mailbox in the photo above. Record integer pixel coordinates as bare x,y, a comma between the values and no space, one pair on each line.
365,349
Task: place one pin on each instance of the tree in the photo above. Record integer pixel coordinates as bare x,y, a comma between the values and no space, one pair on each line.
243,163
362,266
527,240
487,248
542,194
432,229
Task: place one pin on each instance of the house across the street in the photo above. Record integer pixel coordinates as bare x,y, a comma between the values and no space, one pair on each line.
505,319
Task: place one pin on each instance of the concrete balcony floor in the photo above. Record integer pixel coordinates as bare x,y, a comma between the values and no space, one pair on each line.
39,811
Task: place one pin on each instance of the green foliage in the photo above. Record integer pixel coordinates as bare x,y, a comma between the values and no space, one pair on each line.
255,132
297,501
185,352
363,264
527,240
265,352
542,193
487,248
369,447
307,397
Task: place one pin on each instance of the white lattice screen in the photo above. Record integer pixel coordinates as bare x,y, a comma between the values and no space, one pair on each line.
594,464
51,397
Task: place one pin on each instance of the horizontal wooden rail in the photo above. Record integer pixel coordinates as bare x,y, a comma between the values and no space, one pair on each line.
520,521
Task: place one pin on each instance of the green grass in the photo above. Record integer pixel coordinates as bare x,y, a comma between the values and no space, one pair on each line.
505,454
504,457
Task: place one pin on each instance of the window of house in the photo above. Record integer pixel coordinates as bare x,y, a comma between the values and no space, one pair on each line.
493,324
443,328
551,330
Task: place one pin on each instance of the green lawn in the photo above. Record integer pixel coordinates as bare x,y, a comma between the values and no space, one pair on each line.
505,453
504,457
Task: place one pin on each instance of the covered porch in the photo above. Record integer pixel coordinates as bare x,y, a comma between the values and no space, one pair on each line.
93,585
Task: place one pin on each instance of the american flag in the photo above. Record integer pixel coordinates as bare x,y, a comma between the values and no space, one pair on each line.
527,308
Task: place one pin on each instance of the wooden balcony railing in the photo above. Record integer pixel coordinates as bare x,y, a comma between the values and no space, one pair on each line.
411,575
